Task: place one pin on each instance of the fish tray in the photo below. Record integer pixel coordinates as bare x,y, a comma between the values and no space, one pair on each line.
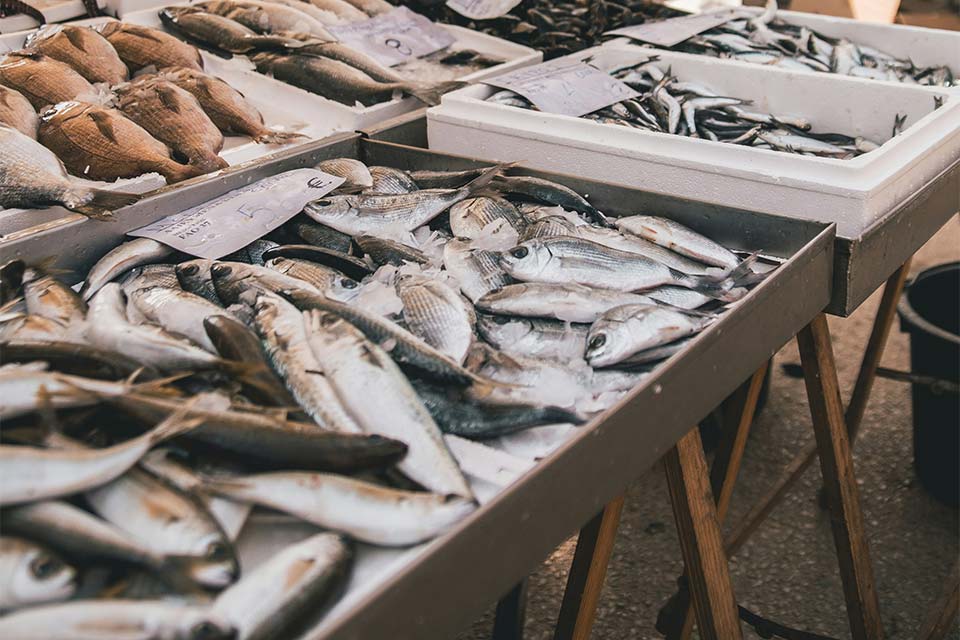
52,10
434,590
853,193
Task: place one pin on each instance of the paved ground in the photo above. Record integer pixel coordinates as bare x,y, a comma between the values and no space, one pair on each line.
787,571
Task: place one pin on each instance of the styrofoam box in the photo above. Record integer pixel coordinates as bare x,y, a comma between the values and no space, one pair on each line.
52,10
925,47
849,192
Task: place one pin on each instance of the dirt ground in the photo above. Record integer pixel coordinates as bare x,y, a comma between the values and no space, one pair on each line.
787,571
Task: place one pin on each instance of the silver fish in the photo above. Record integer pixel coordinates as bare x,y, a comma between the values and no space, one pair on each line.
178,312
47,297
355,367
436,313
362,510
116,620
390,180
567,302
294,581
194,276
233,280
534,338
679,238
148,276
130,254
356,175
28,388
386,251
633,328
478,271
471,216
329,281
31,575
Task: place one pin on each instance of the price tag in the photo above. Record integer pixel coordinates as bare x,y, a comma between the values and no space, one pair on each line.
482,9
235,219
394,37
673,31
567,87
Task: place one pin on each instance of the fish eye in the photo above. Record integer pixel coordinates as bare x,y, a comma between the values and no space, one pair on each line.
43,567
598,341
501,320
216,550
323,203
189,270
205,630
347,283
222,270
519,252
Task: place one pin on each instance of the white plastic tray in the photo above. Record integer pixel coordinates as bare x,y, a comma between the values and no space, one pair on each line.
849,192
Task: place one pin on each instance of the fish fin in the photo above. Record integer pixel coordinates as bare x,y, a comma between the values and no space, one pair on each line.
481,181
560,415
431,94
223,486
75,39
169,97
175,172
102,121
176,423
103,203
276,137
720,286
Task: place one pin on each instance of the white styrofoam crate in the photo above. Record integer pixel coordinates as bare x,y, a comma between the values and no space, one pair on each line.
52,10
850,192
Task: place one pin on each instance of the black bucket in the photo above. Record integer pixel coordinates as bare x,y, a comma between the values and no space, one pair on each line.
930,312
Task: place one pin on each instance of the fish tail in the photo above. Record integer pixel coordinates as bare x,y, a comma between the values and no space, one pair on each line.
176,172
209,163
175,424
431,94
725,286
276,137
98,203
480,182
557,415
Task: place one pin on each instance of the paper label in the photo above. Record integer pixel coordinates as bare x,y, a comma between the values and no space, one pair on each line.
235,219
673,31
567,87
394,37
482,9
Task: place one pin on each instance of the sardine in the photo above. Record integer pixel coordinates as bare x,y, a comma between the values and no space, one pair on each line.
624,331
289,585
391,181
534,338
97,143
355,367
30,474
43,80
84,49
17,112
112,619
122,258
478,271
30,574
437,314
174,117
140,47
356,175
679,238
360,214
364,511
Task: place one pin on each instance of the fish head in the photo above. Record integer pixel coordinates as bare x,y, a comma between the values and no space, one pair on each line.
343,289
202,623
193,274
109,299
608,342
218,566
231,280
330,207
527,260
42,576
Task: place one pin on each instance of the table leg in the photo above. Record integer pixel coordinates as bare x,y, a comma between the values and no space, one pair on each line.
836,464
698,528
587,572
511,614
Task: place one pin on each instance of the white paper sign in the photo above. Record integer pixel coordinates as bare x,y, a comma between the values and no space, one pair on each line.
235,219
567,87
394,37
673,31
482,9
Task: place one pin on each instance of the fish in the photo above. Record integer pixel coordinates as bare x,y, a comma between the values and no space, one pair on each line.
98,143
372,7
148,277
386,251
437,314
194,276
226,107
169,522
322,15
43,80
469,218
533,337
17,112
115,619
47,297
28,388
319,235
460,416
328,281
477,270
430,179
362,510
348,55
178,312
281,326
355,367
391,181
625,241
31,474
75,358
345,10
85,50
292,583
679,238
31,574
629,329
36,329
368,214
252,253
355,174
122,258
139,46
267,17
174,117
219,31
568,302
346,264
547,192
233,280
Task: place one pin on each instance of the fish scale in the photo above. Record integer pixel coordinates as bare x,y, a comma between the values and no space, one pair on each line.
43,80
437,314
86,51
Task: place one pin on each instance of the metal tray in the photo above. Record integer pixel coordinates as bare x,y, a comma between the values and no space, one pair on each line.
863,261
434,590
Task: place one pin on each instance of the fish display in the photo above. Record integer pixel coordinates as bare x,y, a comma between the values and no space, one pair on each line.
672,105
152,415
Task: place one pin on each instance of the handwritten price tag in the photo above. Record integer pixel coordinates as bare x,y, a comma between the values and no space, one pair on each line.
394,37
673,31
567,87
482,9
235,219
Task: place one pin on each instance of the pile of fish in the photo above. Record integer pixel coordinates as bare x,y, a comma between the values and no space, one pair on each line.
767,40
556,28
289,40
667,104
170,118
327,372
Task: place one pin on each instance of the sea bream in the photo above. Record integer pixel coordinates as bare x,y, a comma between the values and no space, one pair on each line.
84,49
17,112
139,46
43,80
